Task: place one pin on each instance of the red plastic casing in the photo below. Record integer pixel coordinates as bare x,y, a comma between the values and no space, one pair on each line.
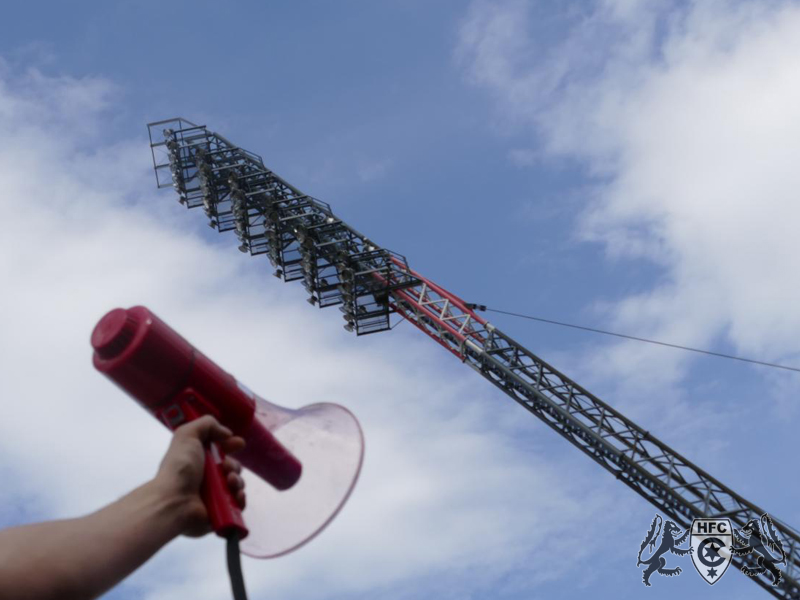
175,382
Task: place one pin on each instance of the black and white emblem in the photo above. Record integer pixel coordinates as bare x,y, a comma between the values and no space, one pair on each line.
759,538
712,539
671,538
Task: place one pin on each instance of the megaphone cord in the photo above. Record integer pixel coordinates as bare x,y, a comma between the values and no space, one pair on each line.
235,568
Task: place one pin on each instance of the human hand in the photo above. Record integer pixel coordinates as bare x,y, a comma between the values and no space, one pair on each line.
181,472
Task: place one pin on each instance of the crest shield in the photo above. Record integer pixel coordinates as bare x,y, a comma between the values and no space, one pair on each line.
711,540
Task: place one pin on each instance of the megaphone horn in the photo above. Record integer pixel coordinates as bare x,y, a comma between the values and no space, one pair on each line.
301,464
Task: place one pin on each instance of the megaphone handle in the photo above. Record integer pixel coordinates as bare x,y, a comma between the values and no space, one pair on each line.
223,511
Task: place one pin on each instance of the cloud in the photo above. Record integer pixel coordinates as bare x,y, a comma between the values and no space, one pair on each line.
684,121
686,116
443,484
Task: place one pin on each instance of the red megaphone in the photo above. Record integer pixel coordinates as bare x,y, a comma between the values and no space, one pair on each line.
305,461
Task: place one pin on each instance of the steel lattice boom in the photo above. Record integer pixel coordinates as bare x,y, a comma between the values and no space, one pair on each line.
305,241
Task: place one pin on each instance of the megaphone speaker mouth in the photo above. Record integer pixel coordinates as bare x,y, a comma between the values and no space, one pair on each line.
328,442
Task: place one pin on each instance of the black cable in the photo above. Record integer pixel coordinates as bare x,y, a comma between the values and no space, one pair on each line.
638,339
235,568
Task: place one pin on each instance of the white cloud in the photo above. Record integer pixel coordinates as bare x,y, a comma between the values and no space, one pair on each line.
443,488
688,115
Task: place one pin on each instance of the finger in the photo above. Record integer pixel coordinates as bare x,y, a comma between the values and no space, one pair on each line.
233,444
230,464
235,482
241,499
205,429
199,530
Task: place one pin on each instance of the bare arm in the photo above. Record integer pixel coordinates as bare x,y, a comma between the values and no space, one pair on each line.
79,559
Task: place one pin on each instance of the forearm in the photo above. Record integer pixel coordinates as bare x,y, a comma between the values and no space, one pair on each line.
79,559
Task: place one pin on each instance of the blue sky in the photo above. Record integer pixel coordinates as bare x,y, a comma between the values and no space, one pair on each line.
616,163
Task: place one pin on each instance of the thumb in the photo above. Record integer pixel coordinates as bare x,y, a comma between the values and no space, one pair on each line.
206,429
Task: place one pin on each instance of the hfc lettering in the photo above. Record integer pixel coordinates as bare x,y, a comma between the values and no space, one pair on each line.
711,527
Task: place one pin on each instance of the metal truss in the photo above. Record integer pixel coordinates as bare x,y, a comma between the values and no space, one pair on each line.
305,241
300,235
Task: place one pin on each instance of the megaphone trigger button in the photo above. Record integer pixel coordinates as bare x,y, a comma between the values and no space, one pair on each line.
173,416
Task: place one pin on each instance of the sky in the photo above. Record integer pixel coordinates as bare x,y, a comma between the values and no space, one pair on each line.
621,164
